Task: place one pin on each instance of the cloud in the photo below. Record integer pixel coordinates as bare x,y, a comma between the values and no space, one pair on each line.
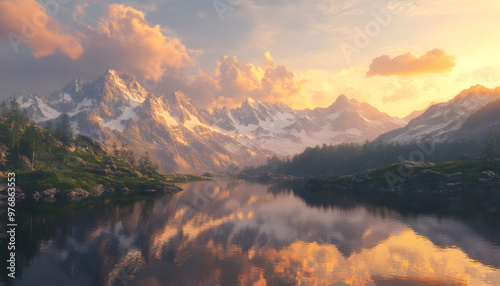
279,83
406,91
232,82
429,8
398,96
434,61
122,40
27,22
116,37
134,46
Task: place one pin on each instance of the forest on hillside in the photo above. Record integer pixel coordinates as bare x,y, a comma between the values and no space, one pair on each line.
349,158
26,147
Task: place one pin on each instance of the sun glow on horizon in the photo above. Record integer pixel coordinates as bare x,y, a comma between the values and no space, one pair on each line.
398,58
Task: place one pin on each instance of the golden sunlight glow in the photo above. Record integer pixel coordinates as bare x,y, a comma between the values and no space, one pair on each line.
406,256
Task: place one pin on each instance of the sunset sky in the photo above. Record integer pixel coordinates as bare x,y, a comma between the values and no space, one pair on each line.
396,55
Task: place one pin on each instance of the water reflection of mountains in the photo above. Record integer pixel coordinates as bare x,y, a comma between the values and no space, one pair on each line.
440,217
244,233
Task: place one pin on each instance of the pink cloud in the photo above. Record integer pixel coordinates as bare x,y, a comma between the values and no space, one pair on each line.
27,22
233,82
125,34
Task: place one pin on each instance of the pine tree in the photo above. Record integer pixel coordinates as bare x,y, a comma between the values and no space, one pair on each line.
63,128
490,147
123,151
146,166
49,126
131,158
115,150
3,109
49,139
18,121
33,143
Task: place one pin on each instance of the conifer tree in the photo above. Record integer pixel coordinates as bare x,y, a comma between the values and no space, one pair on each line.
63,128
490,147
115,150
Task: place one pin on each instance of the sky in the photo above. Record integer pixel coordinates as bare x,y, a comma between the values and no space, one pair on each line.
398,56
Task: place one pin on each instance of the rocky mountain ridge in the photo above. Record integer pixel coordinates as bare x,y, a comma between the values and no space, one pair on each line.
182,138
472,111
285,131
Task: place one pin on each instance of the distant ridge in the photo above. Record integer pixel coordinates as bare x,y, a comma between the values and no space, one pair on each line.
471,115
182,138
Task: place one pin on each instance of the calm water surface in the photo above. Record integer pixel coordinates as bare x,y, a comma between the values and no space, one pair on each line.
239,233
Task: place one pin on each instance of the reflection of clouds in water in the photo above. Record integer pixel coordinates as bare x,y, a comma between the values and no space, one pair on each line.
443,233
403,255
282,233
285,218
247,236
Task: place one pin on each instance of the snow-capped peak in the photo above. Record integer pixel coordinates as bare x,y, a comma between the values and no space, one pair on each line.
285,131
114,86
111,73
74,86
117,108
441,120
251,102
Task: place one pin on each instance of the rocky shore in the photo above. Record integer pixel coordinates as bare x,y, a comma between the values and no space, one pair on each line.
419,178
52,194
269,178
404,177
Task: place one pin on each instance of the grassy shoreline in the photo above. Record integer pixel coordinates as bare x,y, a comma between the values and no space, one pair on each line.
455,176
407,176
84,182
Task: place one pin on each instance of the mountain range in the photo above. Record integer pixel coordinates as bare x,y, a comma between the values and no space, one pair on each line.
284,131
116,109
471,115
183,138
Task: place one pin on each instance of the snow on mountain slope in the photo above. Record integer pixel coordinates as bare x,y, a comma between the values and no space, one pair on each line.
417,113
440,121
480,125
282,130
118,109
182,138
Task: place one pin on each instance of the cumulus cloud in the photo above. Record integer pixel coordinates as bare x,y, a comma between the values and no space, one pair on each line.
122,39
134,46
397,96
238,80
232,82
83,44
27,22
279,83
434,61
